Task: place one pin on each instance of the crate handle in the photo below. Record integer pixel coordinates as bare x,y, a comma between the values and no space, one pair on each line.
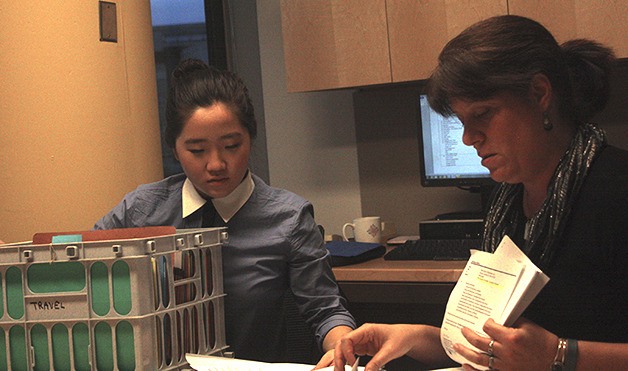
28,255
198,239
72,251
151,246
117,250
180,243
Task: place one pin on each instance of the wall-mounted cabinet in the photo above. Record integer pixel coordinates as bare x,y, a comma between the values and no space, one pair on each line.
334,44
418,30
330,44
604,21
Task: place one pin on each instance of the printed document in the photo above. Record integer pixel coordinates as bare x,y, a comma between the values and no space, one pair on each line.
214,363
498,286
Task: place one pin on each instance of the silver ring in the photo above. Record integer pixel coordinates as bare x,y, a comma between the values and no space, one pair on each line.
490,347
491,361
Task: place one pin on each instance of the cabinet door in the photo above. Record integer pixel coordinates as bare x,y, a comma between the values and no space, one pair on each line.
603,21
334,43
419,29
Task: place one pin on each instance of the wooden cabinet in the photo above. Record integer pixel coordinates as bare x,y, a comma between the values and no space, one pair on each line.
419,29
603,21
334,43
330,44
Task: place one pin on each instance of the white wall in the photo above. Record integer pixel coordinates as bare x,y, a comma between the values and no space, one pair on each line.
310,136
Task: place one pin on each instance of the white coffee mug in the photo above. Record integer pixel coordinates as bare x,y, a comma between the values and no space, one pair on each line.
367,229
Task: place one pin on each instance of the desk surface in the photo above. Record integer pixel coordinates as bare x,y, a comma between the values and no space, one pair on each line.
380,270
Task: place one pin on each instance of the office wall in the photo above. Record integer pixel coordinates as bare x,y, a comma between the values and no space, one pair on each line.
310,136
386,130
78,117
388,152
245,61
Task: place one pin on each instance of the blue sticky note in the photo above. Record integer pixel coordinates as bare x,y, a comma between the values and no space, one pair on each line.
67,238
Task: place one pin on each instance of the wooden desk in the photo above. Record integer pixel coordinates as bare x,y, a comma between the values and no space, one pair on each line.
380,270
398,291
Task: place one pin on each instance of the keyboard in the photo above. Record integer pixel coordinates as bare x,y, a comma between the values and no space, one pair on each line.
434,249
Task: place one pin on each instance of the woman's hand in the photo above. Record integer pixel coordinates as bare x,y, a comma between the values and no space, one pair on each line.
525,346
326,360
331,340
383,342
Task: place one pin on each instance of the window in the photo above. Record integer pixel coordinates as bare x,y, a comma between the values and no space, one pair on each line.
184,29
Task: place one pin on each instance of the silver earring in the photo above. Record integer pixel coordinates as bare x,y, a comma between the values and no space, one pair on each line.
547,124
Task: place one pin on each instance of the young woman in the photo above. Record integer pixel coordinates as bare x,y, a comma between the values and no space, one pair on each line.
525,103
274,242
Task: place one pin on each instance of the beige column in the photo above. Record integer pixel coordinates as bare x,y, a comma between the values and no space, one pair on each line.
79,125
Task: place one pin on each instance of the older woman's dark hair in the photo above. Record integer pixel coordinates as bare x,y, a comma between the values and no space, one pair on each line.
504,53
193,85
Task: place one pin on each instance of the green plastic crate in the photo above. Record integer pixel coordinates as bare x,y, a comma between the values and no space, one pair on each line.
134,304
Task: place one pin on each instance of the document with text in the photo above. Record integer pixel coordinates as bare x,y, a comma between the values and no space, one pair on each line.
215,363
497,285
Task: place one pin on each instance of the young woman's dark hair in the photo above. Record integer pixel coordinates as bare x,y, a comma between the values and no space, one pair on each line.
503,53
194,84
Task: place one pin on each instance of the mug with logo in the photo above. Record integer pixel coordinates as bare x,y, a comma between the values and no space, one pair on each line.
366,229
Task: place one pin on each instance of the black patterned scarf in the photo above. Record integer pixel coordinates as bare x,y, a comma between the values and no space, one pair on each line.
543,230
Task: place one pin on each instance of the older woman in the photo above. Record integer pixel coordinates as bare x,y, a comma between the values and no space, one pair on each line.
525,103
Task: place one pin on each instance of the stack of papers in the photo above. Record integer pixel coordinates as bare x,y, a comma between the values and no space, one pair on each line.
213,363
498,286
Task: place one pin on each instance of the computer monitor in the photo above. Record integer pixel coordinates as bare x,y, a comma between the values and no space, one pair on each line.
445,161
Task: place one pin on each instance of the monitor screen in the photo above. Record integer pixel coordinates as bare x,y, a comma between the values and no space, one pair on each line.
445,160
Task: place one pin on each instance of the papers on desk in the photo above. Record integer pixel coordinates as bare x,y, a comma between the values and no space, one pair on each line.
498,286
213,363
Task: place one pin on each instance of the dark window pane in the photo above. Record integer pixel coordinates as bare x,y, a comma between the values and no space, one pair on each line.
180,31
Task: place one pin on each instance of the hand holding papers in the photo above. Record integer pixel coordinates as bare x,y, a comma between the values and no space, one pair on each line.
498,286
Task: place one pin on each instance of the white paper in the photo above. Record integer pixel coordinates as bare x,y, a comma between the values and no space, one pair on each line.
214,363
498,286
532,281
